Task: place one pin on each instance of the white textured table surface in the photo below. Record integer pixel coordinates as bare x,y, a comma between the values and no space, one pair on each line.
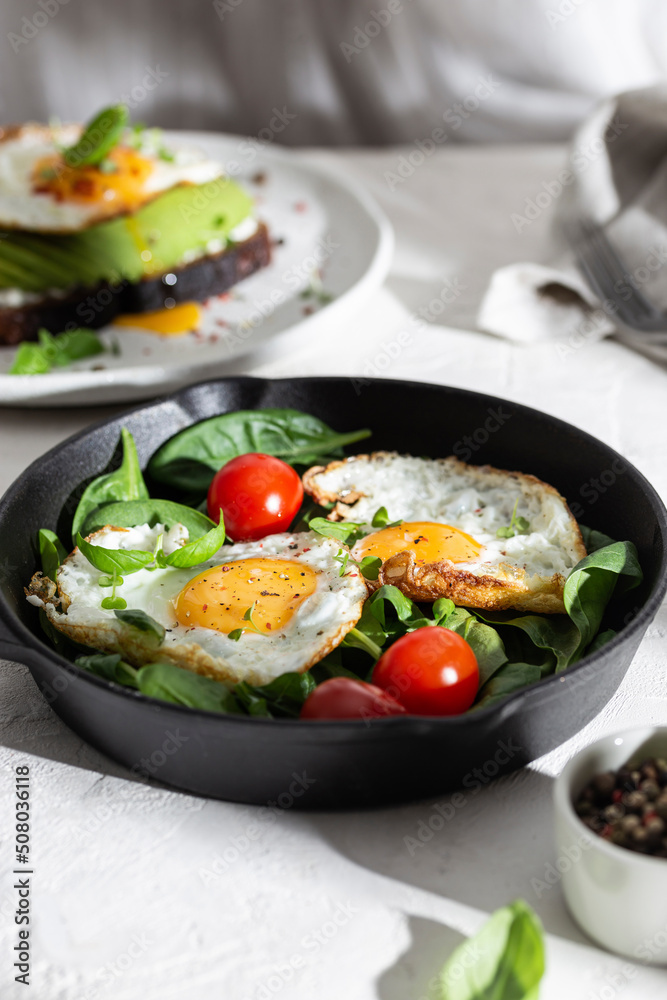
129,897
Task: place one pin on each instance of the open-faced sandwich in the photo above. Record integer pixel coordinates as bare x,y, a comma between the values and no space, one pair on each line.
107,218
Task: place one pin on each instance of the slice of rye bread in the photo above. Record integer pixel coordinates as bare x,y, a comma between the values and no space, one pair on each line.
95,307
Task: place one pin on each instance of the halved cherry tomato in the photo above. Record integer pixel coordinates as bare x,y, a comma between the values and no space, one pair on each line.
432,671
345,698
259,495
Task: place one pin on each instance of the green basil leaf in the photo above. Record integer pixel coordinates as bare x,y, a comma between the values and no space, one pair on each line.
129,513
98,138
347,532
442,609
611,570
370,567
61,350
51,551
600,640
30,359
401,604
509,678
484,641
139,619
182,687
123,561
188,460
200,549
125,483
109,666
503,961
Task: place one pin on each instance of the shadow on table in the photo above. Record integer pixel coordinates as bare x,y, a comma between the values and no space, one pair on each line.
483,847
417,971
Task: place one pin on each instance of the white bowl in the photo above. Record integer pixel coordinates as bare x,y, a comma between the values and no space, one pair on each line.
618,897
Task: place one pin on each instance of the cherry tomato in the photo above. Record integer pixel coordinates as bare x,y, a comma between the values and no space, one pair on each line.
345,698
259,495
432,671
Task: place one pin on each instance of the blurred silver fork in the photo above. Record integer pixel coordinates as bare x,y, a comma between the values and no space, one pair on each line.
609,278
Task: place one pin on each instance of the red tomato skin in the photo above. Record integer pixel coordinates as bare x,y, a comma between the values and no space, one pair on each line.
345,698
259,496
432,671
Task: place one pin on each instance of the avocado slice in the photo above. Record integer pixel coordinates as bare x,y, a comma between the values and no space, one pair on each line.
175,225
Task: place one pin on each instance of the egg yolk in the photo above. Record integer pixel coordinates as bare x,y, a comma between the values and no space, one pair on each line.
168,322
430,543
118,187
219,597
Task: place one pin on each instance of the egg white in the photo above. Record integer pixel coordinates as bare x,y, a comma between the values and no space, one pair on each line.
22,208
319,623
529,569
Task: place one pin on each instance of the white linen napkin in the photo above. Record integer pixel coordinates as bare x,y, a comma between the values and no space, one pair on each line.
616,176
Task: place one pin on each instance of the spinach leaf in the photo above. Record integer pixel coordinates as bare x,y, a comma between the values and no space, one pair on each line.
114,561
484,641
182,687
200,549
613,569
109,666
556,633
347,532
503,961
125,483
594,540
188,460
286,694
139,619
50,351
509,678
51,551
128,513
282,697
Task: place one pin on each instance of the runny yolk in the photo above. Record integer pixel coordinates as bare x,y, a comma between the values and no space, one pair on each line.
168,322
430,543
219,597
118,188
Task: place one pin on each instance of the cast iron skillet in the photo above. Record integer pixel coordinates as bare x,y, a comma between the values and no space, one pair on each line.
339,764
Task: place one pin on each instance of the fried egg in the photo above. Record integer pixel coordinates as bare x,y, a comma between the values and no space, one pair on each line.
447,544
302,606
39,192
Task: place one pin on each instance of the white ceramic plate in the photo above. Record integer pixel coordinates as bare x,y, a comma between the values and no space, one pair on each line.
335,239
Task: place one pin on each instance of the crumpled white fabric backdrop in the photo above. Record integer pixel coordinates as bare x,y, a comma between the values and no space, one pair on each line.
128,900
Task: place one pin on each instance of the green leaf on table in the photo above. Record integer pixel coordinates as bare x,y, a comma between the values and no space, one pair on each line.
189,459
59,351
129,513
124,483
51,551
503,961
140,620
